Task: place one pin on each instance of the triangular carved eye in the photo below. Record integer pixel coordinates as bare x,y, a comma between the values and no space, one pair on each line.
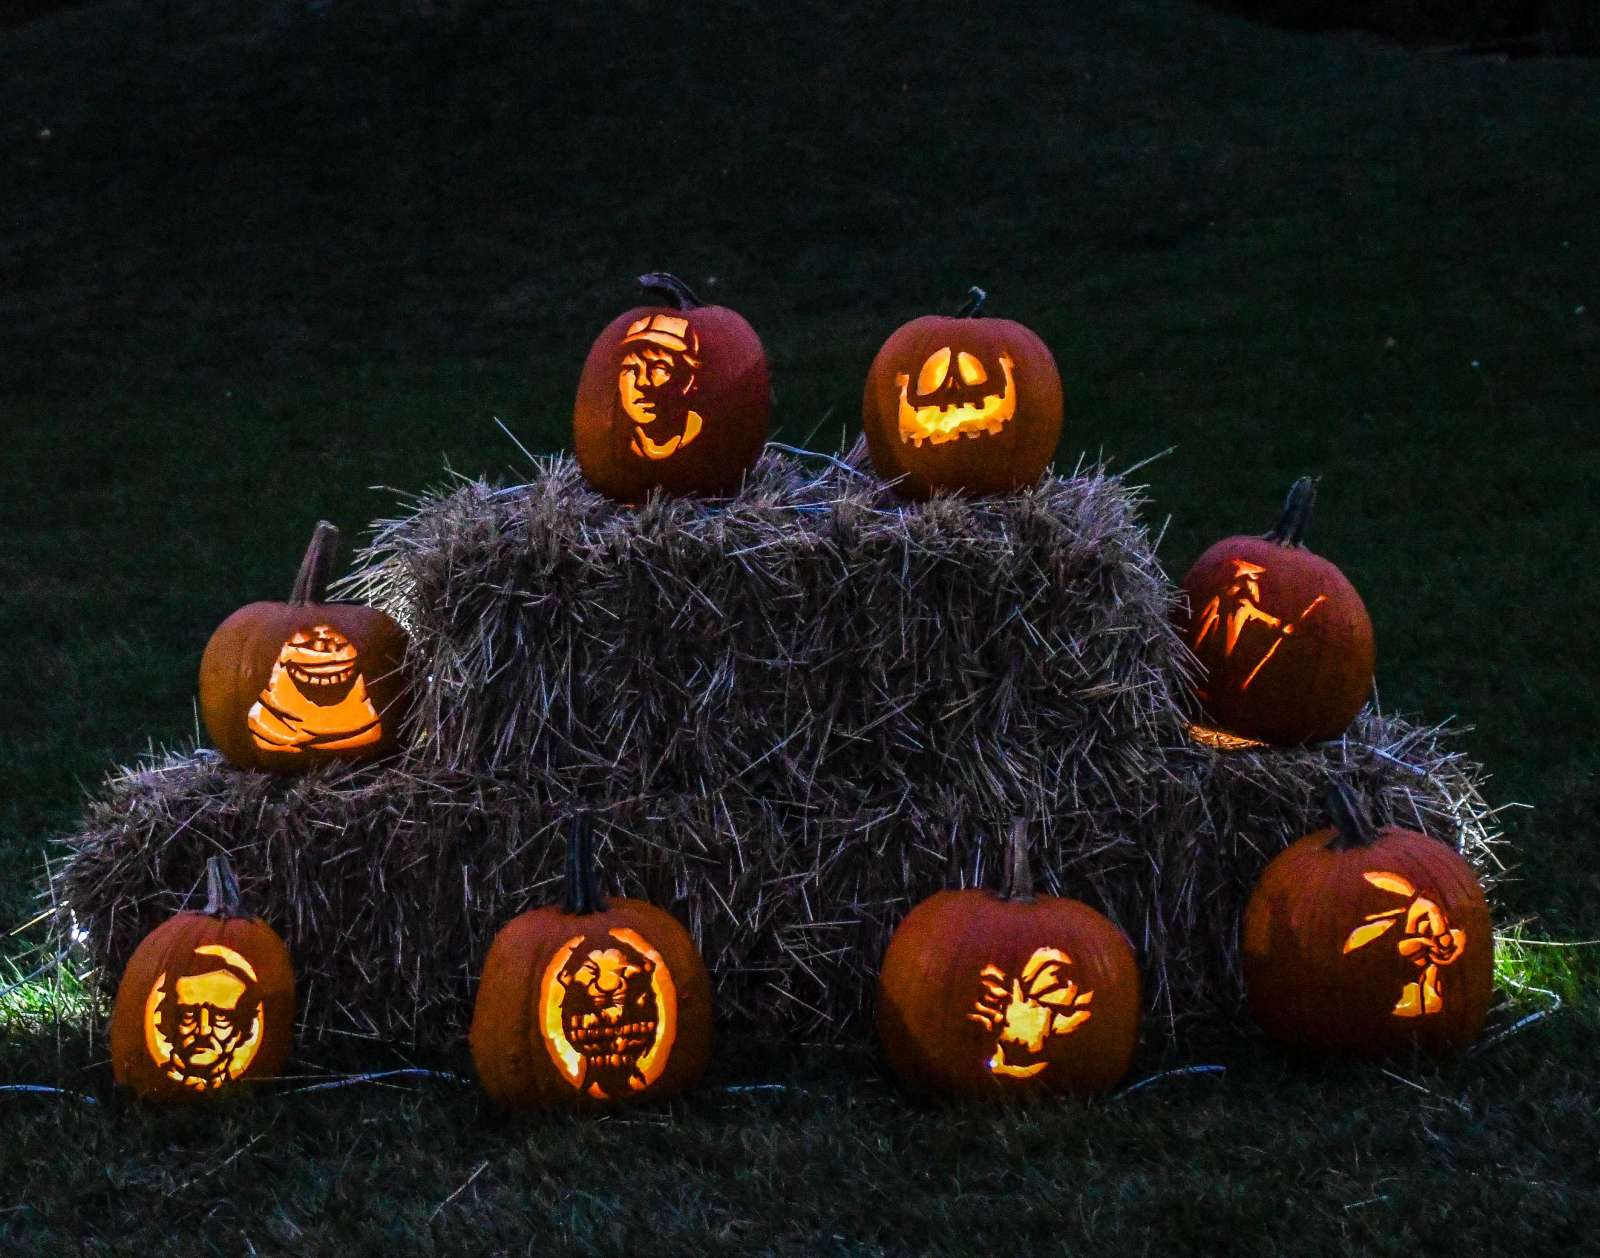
971,369
933,371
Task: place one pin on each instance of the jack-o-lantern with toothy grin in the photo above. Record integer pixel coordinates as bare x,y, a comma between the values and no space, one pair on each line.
966,404
287,685
673,397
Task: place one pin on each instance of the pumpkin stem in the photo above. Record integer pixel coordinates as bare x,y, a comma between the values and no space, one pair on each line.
1017,882
1296,518
972,308
678,295
316,569
583,883
222,888
1348,820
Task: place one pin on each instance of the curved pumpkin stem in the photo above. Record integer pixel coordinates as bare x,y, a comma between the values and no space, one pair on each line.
972,308
1353,828
664,284
316,569
222,888
583,883
1017,882
1296,517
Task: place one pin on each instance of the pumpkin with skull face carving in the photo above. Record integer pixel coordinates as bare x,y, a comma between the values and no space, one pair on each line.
284,686
206,1001
963,404
592,1004
673,397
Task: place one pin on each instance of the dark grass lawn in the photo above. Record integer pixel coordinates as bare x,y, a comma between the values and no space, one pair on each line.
258,262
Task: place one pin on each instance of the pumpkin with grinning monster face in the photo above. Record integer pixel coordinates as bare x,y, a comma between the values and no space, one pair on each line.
285,686
592,1003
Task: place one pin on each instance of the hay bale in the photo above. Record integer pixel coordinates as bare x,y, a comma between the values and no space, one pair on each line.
811,632
791,716
388,883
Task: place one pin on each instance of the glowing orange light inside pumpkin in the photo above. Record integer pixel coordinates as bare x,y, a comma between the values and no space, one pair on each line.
946,377
609,1012
1221,740
315,697
203,1031
1028,1010
1428,941
656,374
1238,607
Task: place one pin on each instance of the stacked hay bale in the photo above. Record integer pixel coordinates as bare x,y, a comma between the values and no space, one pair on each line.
792,714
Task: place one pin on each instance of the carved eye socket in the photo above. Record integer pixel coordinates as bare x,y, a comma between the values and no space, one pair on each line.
933,371
971,369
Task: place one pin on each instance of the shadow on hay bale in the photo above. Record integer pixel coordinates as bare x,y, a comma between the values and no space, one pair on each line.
792,717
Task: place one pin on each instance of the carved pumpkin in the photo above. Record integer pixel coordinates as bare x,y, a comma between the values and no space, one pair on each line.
1366,942
673,397
206,1001
590,1004
1010,993
1282,637
284,686
965,404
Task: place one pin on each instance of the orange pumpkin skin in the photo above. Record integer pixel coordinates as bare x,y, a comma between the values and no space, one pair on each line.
984,995
1283,639
590,1005
235,962
995,435
1369,947
348,707
673,397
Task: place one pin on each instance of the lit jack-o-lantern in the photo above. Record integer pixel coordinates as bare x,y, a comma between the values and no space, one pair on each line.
206,1000
287,685
592,1003
672,397
1332,962
1283,639
610,1012
964,404
1028,1010
1010,992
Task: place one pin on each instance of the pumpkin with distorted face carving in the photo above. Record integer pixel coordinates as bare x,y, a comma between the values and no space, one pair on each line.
1368,941
284,686
1283,639
985,994
673,396
963,404
591,1004
206,1001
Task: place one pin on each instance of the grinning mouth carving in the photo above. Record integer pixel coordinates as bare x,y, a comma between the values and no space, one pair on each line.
315,697
938,423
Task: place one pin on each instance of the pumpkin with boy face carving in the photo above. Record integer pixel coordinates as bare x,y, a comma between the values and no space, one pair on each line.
673,397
